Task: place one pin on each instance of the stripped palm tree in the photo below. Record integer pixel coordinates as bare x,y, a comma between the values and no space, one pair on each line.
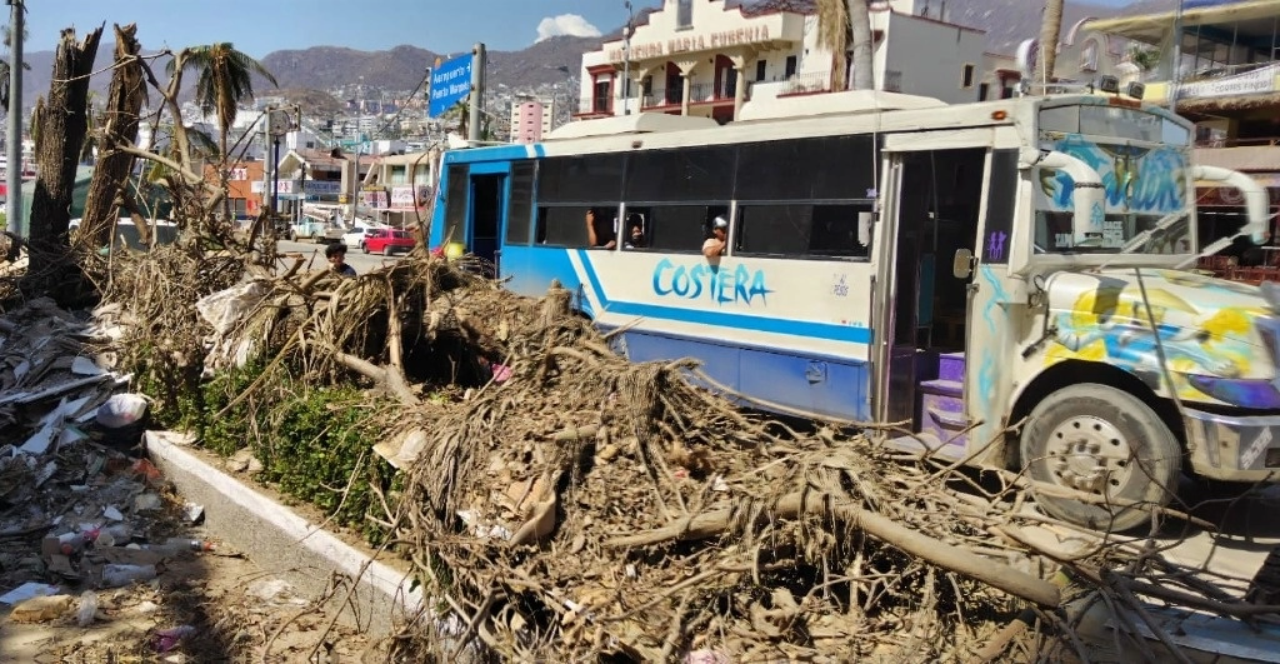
224,78
1050,31
844,26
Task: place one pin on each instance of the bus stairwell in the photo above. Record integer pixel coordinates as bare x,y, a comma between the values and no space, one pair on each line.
941,195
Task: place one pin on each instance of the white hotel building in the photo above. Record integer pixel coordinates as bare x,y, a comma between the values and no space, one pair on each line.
708,57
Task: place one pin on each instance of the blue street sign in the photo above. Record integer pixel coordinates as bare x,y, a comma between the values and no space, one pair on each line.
450,84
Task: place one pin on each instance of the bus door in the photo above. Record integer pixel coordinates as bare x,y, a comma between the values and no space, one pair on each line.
932,204
488,193
898,284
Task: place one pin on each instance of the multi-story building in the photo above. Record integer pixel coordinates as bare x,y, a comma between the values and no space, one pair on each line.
1226,80
531,119
708,57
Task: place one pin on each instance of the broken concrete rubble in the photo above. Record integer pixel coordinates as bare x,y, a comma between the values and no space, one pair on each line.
99,557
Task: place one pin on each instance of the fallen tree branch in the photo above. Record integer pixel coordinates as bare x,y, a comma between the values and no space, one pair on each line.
941,554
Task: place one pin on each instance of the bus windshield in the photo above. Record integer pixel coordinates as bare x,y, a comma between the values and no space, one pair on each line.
1143,160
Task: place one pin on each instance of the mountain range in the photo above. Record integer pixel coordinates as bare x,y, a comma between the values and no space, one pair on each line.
557,59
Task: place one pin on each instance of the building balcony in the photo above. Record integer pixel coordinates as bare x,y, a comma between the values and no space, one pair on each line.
594,107
662,98
803,84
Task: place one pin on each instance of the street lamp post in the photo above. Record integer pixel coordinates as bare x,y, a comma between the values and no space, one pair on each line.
626,61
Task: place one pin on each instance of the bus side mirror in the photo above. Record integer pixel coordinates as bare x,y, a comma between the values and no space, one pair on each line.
962,264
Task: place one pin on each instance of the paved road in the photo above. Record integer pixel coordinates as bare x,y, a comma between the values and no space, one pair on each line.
315,253
1248,531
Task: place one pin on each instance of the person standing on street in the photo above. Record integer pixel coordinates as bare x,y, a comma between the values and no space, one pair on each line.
337,255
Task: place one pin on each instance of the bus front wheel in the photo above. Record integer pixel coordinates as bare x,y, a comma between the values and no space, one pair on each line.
1104,442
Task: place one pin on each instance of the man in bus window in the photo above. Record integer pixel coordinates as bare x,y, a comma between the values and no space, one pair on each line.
714,246
599,234
635,232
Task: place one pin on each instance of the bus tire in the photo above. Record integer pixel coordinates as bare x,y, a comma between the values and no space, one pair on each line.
1104,441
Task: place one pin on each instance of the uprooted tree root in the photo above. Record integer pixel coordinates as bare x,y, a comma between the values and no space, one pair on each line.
567,505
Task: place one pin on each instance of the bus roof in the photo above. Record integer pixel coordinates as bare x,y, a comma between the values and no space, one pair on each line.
864,113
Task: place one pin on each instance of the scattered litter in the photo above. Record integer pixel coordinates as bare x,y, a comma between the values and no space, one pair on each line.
83,366
275,591
27,591
88,608
116,576
113,513
168,639
146,502
122,410
705,657
243,461
172,437
193,512
146,470
42,609
45,473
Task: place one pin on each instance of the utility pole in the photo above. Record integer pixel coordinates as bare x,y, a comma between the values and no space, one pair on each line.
267,200
13,175
478,58
626,61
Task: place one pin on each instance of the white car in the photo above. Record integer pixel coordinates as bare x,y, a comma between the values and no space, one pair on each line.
355,237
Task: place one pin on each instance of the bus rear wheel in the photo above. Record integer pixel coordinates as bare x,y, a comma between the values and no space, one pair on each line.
1105,442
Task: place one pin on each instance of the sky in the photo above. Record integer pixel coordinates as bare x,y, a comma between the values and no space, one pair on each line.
258,27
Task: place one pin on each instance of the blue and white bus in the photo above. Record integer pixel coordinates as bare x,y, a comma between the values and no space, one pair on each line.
959,269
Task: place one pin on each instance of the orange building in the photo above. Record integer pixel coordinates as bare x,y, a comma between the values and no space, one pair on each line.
246,200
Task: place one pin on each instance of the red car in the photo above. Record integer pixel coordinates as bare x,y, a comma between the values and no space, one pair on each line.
387,241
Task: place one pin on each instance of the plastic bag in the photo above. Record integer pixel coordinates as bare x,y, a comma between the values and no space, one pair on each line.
122,410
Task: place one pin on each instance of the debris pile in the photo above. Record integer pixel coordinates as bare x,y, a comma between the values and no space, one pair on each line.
99,557
565,505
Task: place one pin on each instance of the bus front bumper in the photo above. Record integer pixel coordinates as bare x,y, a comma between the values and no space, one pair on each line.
1234,448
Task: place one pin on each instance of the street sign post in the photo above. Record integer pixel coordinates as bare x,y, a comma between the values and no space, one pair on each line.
450,84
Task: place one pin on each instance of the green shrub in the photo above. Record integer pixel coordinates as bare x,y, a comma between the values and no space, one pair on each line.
315,443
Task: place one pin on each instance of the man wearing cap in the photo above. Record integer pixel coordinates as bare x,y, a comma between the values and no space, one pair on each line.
714,246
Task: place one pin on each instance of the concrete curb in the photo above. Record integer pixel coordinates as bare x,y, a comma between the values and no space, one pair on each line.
284,543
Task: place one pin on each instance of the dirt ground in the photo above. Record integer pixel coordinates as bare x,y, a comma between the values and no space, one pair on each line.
222,596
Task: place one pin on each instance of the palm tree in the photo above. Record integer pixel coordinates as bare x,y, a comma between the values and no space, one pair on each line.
1144,58
1050,31
4,65
224,78
843,24
860,29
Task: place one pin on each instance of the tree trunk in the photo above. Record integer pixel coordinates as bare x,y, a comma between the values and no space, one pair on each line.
860,29
1050,29
120,126
63,123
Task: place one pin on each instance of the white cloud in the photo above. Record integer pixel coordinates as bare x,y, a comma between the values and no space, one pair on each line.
572,25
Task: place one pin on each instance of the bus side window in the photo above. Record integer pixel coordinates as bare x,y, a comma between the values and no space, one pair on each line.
562,226
801,230
680,228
